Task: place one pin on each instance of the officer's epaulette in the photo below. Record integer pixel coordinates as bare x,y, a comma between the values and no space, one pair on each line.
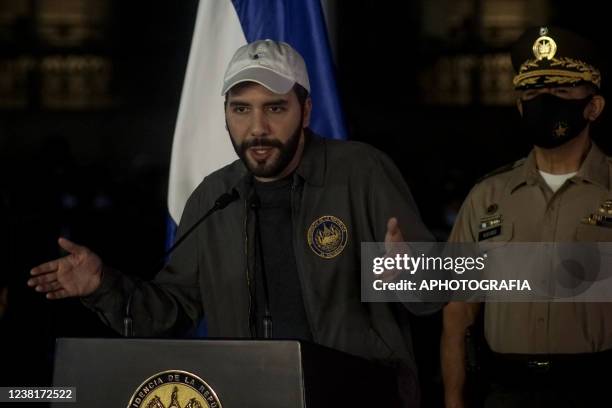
503,169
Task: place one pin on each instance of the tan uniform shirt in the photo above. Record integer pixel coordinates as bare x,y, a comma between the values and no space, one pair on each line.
531,212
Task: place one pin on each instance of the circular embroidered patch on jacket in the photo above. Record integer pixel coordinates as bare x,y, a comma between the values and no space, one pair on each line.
327,236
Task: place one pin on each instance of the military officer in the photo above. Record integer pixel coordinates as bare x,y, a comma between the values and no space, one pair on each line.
543,354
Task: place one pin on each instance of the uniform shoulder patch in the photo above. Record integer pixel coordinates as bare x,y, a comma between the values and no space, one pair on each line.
502,169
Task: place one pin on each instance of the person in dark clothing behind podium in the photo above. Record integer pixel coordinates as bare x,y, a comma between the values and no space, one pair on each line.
282,260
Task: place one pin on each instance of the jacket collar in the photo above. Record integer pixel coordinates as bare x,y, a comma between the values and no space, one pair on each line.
594,169
313,165
526,174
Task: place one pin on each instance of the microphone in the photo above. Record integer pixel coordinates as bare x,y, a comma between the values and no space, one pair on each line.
223,201
255,204
220,203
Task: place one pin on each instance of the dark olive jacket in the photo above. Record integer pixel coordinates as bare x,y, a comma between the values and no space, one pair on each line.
211,274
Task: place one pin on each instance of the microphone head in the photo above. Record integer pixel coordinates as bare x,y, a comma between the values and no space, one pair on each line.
226,199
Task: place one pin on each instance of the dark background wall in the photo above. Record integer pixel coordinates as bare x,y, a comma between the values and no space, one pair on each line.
89,93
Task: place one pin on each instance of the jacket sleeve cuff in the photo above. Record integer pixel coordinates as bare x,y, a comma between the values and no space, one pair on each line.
109,281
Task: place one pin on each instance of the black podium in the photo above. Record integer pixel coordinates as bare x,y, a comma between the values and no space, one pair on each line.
152,373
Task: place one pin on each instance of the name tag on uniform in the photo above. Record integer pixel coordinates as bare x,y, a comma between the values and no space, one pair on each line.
490,233
490,227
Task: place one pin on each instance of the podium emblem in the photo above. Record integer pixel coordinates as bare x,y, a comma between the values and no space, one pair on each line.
174,389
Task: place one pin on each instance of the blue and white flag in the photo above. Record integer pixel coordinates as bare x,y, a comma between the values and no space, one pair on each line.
201,144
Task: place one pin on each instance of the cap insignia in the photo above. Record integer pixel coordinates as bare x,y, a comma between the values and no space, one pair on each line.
544,47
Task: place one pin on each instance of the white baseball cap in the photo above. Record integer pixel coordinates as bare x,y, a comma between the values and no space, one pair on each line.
273,64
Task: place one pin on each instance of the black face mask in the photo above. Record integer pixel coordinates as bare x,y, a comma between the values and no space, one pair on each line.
549,121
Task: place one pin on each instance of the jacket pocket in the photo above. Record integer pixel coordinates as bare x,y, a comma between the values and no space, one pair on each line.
506,234
501,259
593,233
593,254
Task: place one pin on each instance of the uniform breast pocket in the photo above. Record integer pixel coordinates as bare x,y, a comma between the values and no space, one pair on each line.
594,241
589,262
500,257
496,237
593,233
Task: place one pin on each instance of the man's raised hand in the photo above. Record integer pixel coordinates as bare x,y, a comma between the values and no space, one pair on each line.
77,274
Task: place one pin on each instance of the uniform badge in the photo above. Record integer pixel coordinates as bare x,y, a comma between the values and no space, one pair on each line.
490,227
544,46
174,389
327,236
602,217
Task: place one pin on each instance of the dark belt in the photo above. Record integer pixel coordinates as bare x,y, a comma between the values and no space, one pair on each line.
515,367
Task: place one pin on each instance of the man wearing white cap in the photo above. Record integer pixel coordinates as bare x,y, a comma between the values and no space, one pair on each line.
282,260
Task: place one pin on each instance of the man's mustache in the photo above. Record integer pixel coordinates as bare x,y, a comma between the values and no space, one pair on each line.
261,142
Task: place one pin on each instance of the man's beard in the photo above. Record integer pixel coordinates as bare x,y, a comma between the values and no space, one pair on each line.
272,166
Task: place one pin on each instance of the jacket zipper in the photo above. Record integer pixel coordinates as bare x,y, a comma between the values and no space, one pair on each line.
298,264
246,255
